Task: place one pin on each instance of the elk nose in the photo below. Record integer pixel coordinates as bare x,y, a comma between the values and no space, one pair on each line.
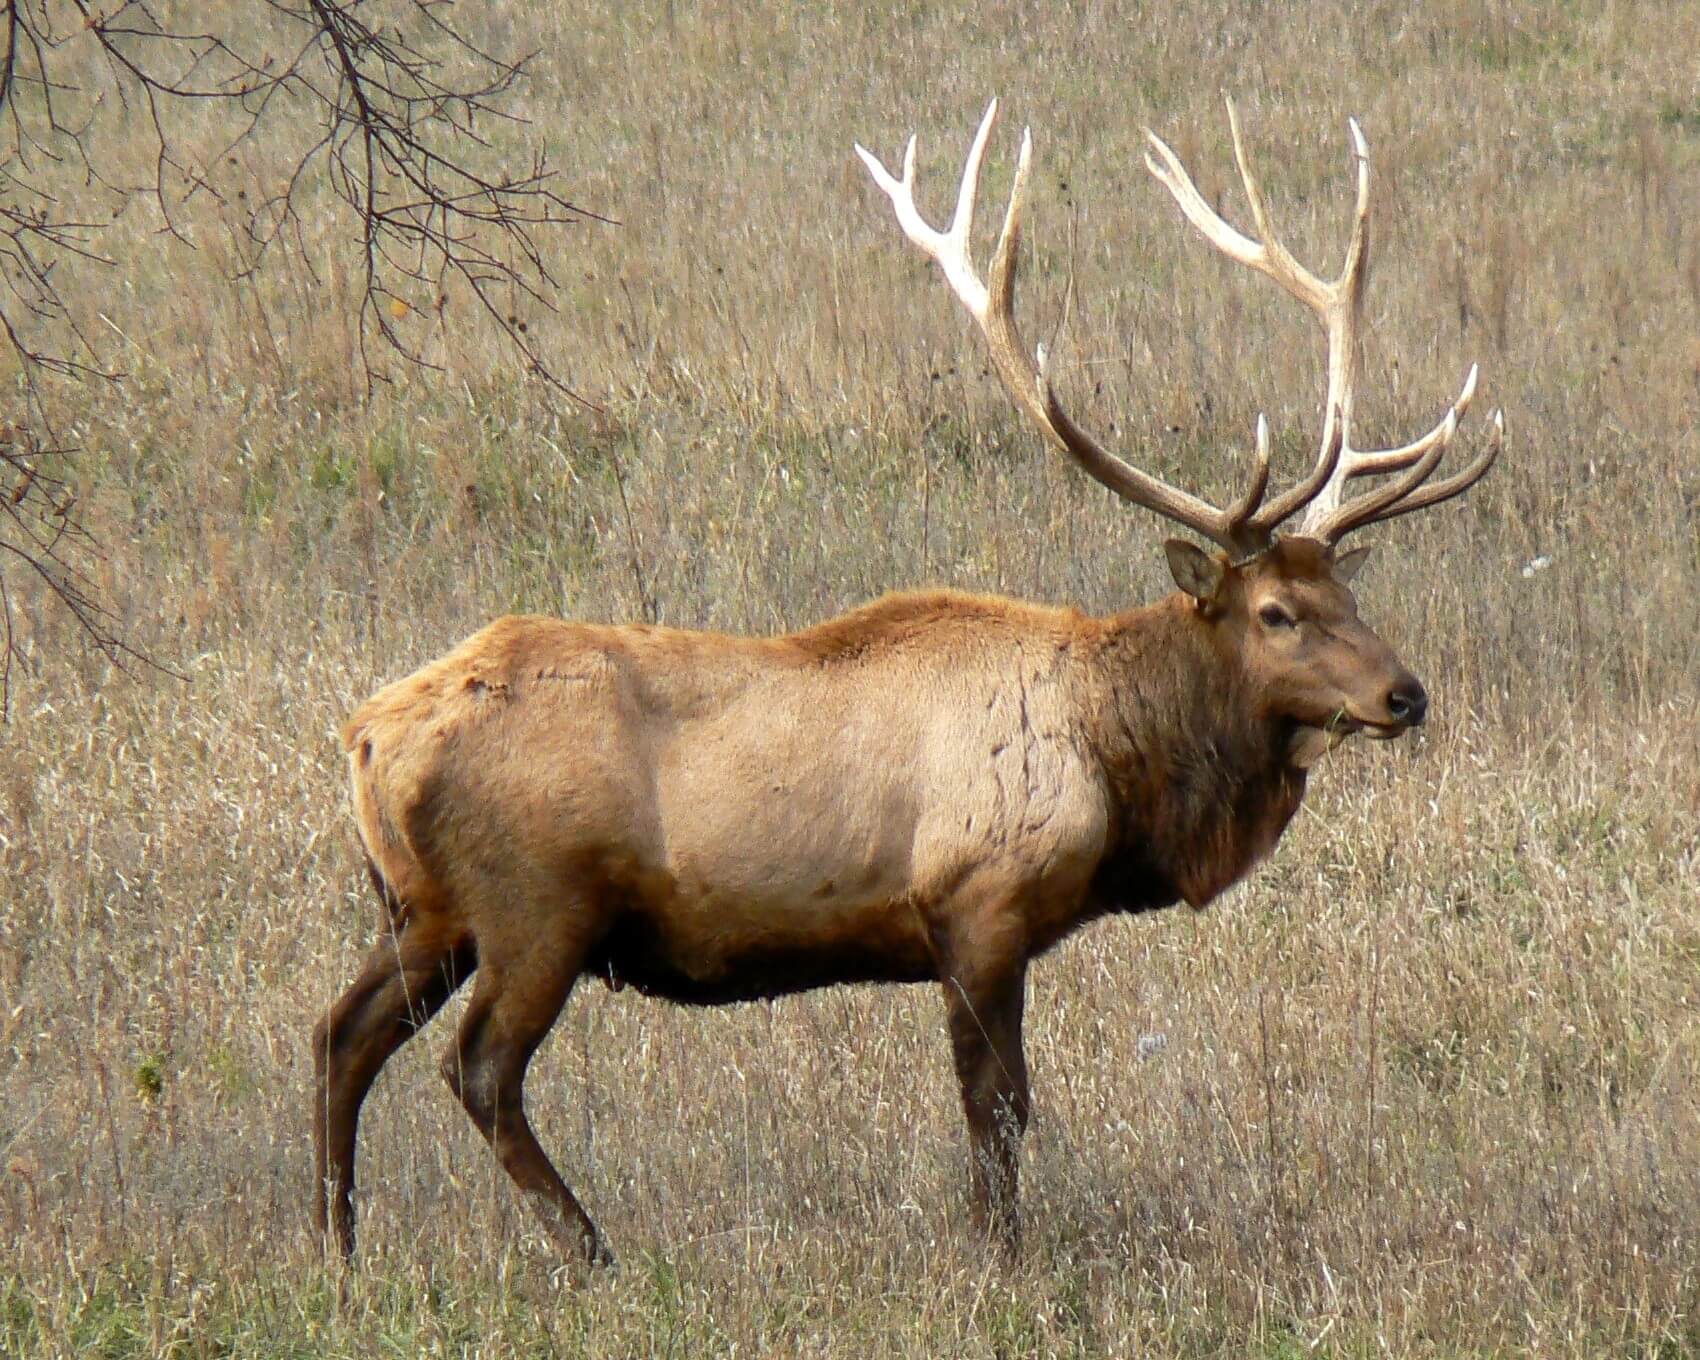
1408,702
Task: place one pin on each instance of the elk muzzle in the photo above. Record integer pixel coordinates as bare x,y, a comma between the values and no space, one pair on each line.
1406,706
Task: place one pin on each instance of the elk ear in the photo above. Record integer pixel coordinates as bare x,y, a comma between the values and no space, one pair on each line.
1348,564
1195,571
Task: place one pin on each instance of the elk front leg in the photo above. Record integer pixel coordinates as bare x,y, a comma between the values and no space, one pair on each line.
985,1034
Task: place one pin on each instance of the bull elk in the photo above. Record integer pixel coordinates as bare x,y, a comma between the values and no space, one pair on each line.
713,819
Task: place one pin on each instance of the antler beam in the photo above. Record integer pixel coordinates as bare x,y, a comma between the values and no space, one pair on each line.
1248,525
1338,305
1239,529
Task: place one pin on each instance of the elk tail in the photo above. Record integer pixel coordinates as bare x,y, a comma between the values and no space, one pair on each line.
396,873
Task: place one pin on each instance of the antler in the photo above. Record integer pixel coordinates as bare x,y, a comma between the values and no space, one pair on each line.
1338,304
1243,528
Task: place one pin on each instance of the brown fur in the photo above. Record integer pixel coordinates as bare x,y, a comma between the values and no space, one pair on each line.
935,786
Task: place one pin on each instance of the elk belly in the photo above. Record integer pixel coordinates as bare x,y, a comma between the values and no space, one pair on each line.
756,892
711,949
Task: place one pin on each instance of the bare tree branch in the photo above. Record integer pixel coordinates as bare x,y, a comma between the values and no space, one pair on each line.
42,535
399,106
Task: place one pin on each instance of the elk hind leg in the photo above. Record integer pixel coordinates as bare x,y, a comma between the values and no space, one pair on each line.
406,978
515,1002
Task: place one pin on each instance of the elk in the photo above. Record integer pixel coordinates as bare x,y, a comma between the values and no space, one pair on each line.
711,819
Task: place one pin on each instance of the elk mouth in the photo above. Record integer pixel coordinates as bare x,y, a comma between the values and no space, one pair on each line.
1308,742
1343,725
1384,731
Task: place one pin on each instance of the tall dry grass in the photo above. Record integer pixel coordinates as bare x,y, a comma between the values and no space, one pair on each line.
1427,1085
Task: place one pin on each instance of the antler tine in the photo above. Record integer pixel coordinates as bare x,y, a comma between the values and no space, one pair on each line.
950,248
1277,261
1354,515
1301,493
1366,463
994,309
1242,512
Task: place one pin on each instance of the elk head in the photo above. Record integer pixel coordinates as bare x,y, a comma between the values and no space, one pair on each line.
1289,619
1281,604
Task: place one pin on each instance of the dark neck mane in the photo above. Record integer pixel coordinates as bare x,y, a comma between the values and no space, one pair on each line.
1201,784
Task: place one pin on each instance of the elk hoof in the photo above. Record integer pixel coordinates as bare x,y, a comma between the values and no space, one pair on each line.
601,1257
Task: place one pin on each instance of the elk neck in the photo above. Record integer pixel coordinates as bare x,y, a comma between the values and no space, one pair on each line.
1200,781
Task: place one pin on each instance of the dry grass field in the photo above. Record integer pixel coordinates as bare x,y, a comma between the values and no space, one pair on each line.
1429,1082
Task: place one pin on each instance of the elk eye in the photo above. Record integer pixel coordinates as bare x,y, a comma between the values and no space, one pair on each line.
1274,616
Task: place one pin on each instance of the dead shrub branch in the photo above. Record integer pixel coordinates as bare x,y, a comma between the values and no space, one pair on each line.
398,108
